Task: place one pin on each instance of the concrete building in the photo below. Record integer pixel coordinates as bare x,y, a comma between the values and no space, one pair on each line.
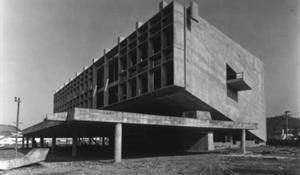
176,82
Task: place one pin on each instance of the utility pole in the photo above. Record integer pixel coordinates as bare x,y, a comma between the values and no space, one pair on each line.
286,123
18,100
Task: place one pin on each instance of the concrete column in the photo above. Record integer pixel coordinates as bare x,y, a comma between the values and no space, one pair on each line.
27,142
53,145
210,141
243,141
118,143
42,142
33,143
74,146
23,140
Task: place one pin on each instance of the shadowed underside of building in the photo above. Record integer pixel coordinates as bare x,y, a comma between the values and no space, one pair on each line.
180,82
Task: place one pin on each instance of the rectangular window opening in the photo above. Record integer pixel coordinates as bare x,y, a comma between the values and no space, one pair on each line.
132,58
132,88
123,63
100,100
143,52
123,90
157,78
168,74
113,70
100,77
143,83
167,37
155,44
113,95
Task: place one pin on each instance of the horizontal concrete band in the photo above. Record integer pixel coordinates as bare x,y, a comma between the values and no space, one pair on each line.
41,126
81,114
105,116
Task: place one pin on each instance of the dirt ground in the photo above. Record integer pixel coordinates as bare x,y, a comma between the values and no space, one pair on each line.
261,160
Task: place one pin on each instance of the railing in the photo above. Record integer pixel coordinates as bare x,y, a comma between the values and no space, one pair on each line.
239,75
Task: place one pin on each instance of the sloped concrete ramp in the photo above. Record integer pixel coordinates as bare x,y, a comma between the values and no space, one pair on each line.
34,156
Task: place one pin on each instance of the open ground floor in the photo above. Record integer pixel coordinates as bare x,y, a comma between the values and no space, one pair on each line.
120,133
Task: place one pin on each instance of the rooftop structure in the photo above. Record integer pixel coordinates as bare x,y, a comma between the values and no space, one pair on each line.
174,67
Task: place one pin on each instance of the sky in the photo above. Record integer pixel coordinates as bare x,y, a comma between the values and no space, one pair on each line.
43,43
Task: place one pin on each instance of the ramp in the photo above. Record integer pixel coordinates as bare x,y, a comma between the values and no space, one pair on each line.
34,156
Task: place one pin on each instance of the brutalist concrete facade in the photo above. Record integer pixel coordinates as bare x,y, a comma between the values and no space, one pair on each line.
172,64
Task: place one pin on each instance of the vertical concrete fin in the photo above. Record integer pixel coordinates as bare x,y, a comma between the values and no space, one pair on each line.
162,4
120,39
194,11
138,24
105,51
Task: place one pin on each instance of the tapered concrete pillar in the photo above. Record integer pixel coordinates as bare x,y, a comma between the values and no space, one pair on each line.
53,145
74,146
118,143
243,141
42,142
27,142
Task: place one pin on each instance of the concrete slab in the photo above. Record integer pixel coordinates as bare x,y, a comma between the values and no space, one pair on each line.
34,156
60,116
81,114
42,126
62,125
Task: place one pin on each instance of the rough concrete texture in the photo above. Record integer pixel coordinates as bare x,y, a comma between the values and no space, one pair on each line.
81,114
34,156
200,56
201,115
60,116
106,117
207,51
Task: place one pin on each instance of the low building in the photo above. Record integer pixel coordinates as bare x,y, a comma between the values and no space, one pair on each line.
278,125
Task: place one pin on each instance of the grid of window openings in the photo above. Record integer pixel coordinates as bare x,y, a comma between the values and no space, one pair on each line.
137,65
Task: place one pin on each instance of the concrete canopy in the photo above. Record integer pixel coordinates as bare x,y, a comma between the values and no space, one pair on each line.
92,122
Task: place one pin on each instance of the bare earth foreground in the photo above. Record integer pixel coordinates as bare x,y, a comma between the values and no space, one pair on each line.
262,160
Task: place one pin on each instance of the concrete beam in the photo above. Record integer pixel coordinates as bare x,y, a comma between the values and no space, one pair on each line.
60,116
243,141
82,114
118,143
106,116
40,126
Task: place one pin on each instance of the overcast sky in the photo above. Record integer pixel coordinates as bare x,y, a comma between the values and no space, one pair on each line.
45,42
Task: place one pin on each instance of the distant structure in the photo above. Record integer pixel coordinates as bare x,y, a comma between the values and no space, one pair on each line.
7,136
276,128
189,86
